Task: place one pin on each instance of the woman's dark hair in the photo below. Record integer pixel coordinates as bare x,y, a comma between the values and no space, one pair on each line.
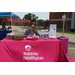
3,25
32,24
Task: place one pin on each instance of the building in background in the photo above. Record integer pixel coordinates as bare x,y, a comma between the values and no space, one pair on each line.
56,18
16,22
6,15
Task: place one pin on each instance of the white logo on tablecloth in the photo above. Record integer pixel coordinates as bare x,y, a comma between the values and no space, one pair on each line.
27,47
31,55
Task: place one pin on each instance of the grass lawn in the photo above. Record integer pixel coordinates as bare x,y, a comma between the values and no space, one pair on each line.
65,31
60,31
35,28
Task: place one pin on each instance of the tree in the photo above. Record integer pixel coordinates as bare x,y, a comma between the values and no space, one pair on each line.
30,16
47,23
47,20
41,22
1,20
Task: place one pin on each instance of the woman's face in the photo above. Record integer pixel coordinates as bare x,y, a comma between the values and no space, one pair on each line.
32,27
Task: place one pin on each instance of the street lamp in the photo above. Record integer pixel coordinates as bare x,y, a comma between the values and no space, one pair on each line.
63,19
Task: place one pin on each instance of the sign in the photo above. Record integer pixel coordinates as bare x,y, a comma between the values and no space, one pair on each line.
52,32
63,17
36,19
31,55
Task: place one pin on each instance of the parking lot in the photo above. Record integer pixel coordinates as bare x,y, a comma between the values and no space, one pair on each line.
71,50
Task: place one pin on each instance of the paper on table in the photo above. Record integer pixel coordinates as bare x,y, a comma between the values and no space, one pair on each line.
10,33
52,33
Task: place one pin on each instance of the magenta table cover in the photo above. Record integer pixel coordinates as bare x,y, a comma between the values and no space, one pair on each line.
65,43
49,50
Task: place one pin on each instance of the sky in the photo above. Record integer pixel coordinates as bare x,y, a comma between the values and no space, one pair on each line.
41,15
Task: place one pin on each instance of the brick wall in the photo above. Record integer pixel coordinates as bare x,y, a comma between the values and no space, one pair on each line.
56,18
58,15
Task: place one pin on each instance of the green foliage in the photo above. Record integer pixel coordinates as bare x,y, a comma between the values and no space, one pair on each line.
47,20
1,19
41,22
30,16
33,17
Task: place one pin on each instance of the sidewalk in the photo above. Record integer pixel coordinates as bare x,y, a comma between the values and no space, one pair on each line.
71,37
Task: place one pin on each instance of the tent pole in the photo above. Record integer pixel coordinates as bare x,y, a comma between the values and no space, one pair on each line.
11,22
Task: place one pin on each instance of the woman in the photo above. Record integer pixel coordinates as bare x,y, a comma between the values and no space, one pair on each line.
31,32
3,27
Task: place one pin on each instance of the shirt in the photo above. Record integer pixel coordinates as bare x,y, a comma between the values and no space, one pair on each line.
27,32
3,28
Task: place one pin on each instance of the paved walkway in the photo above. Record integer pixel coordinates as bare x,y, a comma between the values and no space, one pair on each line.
17,30
70,36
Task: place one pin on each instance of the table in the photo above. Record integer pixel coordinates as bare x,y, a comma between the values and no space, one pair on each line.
50,50
64,41
3,33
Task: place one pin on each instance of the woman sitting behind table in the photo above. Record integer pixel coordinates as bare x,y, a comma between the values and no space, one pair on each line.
31,32
3,27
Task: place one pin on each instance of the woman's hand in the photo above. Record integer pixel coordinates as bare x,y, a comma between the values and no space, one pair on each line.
32,34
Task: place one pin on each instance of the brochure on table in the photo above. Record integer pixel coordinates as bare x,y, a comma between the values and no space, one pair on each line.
52,32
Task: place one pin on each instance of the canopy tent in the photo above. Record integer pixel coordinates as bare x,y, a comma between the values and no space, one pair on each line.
8,14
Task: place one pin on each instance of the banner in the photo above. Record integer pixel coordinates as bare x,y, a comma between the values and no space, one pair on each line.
52,32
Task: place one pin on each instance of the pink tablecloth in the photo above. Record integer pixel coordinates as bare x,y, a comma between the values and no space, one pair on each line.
50,50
